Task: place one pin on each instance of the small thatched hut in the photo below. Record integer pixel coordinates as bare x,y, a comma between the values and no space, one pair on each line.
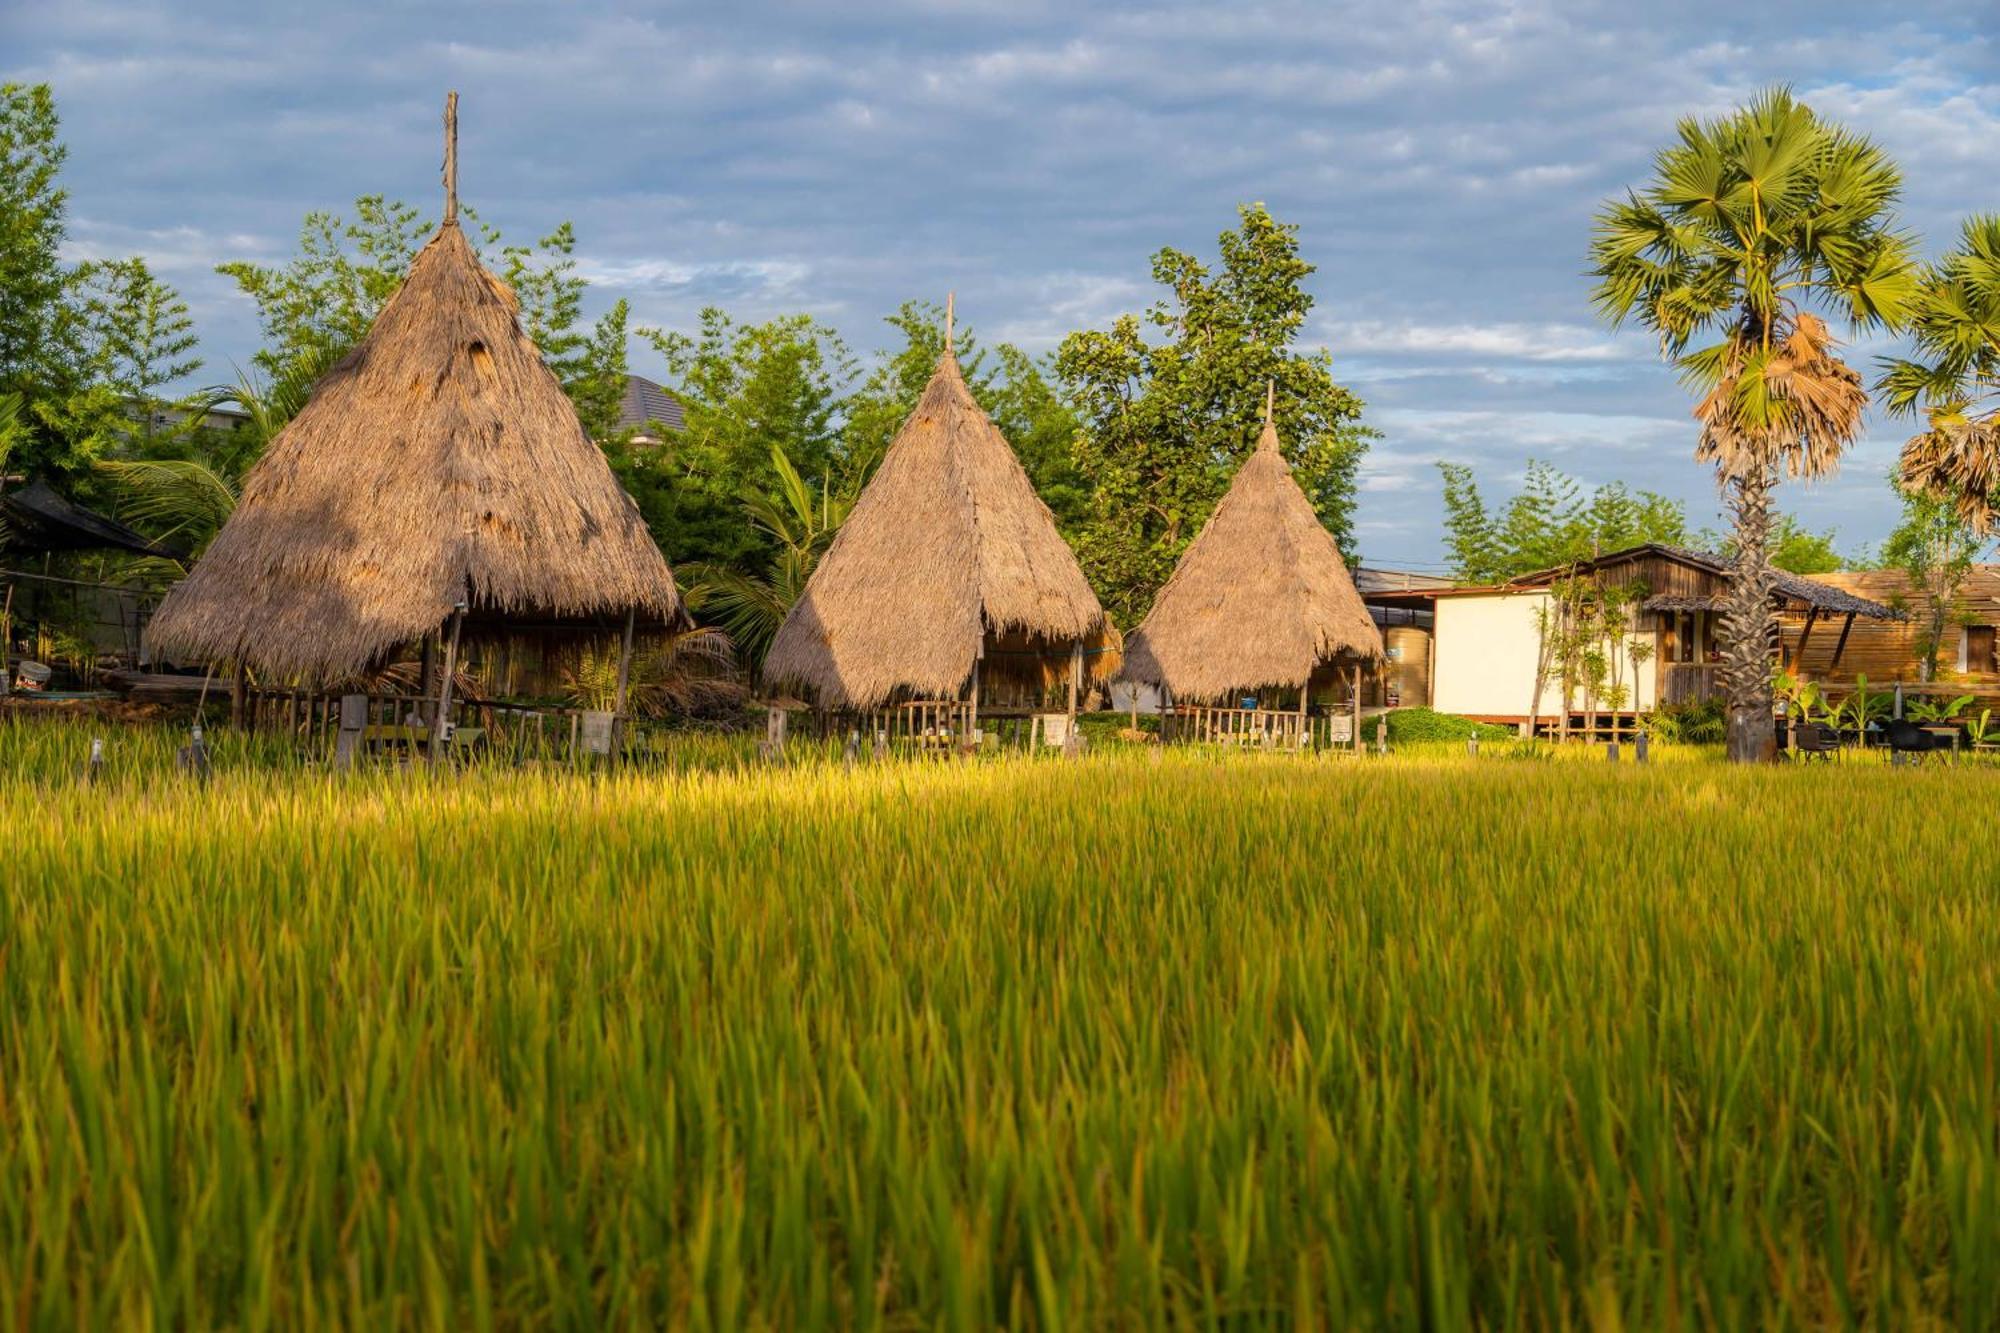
1260,599
438,476
948,583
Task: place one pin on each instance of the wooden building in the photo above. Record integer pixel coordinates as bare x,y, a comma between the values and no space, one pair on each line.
1485,640
1889,650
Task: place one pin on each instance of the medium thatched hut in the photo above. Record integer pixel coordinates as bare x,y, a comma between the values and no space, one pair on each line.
948,589
437,478
1260,600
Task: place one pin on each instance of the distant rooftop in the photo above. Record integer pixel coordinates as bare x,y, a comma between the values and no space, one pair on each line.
1377,582
645,401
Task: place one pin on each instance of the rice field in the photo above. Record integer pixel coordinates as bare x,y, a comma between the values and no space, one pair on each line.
1422,1041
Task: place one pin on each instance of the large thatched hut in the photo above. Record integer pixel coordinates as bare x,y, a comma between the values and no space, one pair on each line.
438,481
1260,601
948,590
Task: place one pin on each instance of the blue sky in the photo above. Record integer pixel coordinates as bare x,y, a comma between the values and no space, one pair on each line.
1442,161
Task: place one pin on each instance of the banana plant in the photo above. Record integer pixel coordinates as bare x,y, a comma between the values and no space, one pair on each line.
1861,708
1936,710
1982,731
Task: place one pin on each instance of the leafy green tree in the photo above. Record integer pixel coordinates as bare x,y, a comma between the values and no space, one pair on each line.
32,205
1748,222
138,338
321,302
1793,547
1469,535
1934,546
800,524
597,373
317,305
1542,524
1167,418
1617,517
1549,522
1798,550
1954,378
747,391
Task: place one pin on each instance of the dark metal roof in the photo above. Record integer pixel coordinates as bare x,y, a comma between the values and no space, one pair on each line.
1385,582
1786,587
35,518
644,402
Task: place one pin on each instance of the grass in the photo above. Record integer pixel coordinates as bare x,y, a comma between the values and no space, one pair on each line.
1413,1042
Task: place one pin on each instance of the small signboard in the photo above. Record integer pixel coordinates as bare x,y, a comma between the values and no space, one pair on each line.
1343,728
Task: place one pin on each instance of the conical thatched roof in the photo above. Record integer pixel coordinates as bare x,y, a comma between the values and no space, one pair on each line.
438,461
1259,598
948,543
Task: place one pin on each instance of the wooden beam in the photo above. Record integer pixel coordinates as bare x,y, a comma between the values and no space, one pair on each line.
1840,644
1799,653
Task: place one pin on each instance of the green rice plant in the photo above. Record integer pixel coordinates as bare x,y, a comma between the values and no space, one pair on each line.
1161,1037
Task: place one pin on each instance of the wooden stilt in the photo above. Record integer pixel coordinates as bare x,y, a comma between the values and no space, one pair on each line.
1075,683
1305,695
624,664
442,727
239,694
1357,709
972,710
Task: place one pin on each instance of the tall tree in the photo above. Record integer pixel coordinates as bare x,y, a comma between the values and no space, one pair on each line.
32,204
1549,522
1954,379
1934,547
138,338
1167,418
1747,222
1469,536
747,390
321,302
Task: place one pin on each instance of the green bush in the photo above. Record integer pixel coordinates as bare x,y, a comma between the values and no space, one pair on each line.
1702,723
1424,724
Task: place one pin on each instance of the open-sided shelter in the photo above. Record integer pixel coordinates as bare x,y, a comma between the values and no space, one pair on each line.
948,590
1261,601
438,481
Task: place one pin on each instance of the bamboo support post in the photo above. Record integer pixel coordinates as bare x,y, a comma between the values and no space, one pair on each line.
442,729
624,664
1357,709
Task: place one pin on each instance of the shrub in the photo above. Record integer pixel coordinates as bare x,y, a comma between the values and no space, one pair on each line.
1703,723
1424,724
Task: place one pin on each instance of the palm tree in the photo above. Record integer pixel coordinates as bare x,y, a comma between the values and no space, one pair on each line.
1748,222
1955,378
751,606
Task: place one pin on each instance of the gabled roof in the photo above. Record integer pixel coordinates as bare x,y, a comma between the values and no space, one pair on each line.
948,543
645,402
1260,597
1786,586
35,518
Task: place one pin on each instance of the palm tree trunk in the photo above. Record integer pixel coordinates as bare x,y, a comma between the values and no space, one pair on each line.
1748,625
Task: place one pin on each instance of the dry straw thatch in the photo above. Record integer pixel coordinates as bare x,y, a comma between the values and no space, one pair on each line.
1260,598
948,549
438,462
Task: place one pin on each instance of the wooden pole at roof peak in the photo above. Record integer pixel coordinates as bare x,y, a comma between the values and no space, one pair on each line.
451,157
950,301
1270,400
